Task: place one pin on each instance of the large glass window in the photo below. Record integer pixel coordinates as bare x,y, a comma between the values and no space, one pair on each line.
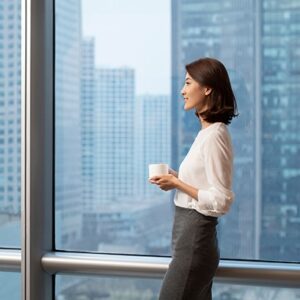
87,287
116,288
112,120
10,286
10,122
119,70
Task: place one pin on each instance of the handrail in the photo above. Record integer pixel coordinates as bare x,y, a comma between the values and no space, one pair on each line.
239,272
230,271
10,260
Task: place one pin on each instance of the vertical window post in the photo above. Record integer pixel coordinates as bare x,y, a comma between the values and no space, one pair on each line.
37,147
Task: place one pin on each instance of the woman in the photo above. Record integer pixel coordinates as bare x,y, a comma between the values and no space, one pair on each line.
203,184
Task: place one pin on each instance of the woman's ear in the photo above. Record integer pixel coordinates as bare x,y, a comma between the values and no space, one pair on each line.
207,91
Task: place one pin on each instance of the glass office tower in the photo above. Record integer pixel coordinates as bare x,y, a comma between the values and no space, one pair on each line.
114,121
224,30
153,140
68,151
280,239
10,107
87,105
10,123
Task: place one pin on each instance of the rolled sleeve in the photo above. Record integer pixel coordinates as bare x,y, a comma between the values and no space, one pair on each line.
218,162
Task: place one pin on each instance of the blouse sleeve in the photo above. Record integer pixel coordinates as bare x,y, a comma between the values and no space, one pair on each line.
218,162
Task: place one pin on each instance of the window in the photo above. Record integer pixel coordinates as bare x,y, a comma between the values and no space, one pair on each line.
10,130
101,94
10,286
127,113
82,287
114,101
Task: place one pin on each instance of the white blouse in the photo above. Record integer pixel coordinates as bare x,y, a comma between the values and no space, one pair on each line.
208,166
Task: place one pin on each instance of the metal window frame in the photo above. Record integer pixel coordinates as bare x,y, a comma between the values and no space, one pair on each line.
37,147
38,262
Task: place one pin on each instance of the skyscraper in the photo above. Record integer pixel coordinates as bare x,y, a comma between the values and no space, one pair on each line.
10,107
88,121
68,166
280,239
153,139
224,30
114,132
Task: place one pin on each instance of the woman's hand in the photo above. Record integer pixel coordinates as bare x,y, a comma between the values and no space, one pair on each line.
165,182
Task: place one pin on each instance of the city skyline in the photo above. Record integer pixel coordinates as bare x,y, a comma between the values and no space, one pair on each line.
114,116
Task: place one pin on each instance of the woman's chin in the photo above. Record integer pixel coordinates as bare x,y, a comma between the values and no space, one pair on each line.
187,107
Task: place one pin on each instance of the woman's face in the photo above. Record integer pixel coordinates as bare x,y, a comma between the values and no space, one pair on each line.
193,94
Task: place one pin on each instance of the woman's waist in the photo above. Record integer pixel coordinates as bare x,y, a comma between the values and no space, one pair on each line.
193,213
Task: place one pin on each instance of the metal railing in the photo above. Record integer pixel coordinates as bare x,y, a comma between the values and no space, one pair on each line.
229,271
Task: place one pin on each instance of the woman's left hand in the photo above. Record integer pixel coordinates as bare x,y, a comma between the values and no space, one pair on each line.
165,182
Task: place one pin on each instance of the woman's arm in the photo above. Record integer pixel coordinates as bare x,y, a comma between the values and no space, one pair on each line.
187,189
168,182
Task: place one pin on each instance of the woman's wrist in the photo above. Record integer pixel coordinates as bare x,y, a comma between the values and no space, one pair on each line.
187,189
178,183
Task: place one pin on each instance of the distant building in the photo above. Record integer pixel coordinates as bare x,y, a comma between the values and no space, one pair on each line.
88,122
114,135
68,151
10,107
153,140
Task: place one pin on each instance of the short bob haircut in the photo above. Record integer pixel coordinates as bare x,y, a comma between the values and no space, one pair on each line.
221,103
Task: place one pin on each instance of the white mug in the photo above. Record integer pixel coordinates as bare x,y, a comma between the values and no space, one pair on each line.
158,169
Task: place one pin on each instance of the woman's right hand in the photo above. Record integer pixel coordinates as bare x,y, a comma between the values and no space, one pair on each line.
173,172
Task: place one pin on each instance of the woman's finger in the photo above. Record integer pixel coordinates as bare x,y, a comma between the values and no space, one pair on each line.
155,178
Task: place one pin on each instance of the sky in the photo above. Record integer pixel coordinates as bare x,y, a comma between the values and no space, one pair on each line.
135,34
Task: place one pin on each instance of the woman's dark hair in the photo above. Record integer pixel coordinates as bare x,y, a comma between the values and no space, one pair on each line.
221,103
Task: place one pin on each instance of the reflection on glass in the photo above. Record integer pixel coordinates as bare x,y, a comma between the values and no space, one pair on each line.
10,122
10,286
116,288
118,108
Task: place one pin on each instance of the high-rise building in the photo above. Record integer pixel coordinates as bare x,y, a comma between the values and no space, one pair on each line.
153,140
280,239
10,107
68,152
110,115
87,121
114,135
224,30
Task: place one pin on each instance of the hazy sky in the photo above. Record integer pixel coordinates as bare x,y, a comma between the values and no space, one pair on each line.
133,33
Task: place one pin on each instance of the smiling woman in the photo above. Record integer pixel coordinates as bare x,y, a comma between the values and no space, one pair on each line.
203,186
208,90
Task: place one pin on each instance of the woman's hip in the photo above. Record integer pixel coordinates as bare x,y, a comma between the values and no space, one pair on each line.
194,233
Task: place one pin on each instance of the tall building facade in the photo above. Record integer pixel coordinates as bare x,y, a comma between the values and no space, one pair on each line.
280,238
114,131
153,139
10,107
68,152
87,121
224,30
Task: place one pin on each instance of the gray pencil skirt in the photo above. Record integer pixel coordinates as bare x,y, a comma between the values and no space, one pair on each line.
195,257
